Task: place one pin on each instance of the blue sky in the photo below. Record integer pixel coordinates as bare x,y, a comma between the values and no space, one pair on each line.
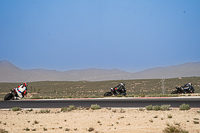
130,35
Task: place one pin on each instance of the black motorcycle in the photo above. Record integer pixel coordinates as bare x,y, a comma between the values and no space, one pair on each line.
11,95
113,93
183,90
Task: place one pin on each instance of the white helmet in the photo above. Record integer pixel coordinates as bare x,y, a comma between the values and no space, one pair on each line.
190,83
122,83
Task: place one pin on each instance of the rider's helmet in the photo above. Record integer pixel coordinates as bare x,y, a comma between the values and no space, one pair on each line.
122,83
25,84
190,83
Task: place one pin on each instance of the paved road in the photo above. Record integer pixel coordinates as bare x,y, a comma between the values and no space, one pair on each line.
103,102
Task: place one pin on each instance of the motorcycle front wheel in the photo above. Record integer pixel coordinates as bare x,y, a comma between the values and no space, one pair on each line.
9,96
107,94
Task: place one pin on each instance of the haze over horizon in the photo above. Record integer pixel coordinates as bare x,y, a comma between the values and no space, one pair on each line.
126,35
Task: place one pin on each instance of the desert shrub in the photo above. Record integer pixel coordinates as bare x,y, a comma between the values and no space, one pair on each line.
151,120
64,109
36,122
169,116
3,131
196,122
90,129
16,109
44,111
184,106
156,108
130,95
30,110
44,129
67,129
141,109
141,95
87,108
174,129
71,107
155,116
95,106
47,97
165,107
114,110
27,129
149,107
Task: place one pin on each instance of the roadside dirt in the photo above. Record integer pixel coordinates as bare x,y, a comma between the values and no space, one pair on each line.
98,121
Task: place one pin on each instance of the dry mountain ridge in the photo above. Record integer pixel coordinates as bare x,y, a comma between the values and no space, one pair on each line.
11,73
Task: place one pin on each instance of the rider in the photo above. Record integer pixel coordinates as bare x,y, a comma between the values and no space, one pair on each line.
21,90
120,89
189,86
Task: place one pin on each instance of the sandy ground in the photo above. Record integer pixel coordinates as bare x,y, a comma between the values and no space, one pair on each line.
102,121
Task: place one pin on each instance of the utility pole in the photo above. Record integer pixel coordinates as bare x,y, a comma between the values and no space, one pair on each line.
163,86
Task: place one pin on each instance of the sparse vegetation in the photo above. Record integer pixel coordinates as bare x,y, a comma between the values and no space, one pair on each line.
71,107
44,129
174,129
64,109
155,116
16,109
149,107
77,89
156,108
27,129
196,122
184,106
95,106
67,129
141,109
151,120
165,107
36,122
44,111
151,117
3,131
90,129
30,110
169,116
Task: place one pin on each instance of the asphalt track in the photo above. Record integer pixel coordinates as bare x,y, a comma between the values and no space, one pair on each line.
194,102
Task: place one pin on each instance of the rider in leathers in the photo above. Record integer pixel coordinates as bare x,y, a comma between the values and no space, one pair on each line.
120,89
190,86
21,90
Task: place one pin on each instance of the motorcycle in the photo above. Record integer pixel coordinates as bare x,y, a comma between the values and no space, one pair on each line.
11,95
183,89
113,93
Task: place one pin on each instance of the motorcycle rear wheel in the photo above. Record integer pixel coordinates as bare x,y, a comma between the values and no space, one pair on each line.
107,94
9,96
